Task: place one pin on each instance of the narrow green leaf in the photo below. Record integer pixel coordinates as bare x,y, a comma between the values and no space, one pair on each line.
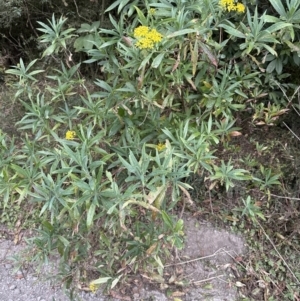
271,19
13,71
22,66
293,46
181,32
63,240
46,205
30,64
115,4
278,26
167,220
122,4
133,161
278,6
130,168
279,66
194,56
101,280
271,67
145,60
109,43
142,17
271,50
115,281
102,84
233,31
49,50
185,129
156,62
35,72
47,225
90,215
20,171
209,124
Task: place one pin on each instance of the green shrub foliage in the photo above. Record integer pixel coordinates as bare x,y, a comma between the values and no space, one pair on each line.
107,163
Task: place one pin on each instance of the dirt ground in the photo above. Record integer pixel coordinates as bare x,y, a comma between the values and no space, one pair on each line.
203,270
207,262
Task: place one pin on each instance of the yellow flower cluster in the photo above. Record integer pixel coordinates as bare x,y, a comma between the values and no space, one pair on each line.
231,6
240,7
70,135
160,147
147,38
93,287
152,11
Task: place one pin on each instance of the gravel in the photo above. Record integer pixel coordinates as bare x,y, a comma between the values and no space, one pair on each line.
29,286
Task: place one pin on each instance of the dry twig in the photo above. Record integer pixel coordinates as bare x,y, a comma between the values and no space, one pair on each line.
196,259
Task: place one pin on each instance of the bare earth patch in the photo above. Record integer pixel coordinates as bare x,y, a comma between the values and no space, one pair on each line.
205,268
209,266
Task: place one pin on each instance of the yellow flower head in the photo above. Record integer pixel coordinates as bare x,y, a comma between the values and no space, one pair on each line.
152,11
146,37
226,3
144,43
160,146
141,32
70,135
154,35
93,287
240,8
230,5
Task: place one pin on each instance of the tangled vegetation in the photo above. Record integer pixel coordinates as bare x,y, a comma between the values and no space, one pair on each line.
120,121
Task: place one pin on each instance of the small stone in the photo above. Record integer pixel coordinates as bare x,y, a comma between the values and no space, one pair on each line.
8,266
136,296
12,287
17,291
19,275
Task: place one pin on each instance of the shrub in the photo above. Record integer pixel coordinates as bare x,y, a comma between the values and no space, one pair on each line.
107,166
